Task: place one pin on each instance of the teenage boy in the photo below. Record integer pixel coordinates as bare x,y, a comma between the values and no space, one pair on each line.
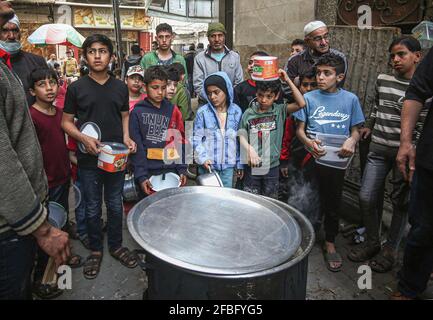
292,173
384,126
47,119
163,55
329,110
263,123
103,100
245,92
152,123
134,82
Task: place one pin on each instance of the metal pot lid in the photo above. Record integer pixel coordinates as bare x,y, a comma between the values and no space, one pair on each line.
214,230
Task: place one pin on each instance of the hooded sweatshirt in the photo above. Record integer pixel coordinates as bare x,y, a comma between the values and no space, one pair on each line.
149,127
209,141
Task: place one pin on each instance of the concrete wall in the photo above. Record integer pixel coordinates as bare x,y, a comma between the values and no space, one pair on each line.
270,25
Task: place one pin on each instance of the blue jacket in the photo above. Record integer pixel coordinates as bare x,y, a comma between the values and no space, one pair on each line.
209,142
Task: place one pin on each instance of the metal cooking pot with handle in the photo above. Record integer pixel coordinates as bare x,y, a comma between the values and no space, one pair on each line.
130,190
211,179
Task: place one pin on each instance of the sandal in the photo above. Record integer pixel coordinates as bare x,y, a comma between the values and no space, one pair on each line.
332,258
126,257
46,291
382,263
363,253
92,266
75,261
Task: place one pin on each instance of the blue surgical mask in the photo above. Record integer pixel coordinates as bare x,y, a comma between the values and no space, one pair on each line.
11,47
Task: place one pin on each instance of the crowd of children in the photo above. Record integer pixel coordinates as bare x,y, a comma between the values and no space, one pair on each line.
247,133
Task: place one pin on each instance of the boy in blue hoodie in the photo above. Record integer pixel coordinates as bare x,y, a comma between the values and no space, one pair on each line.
157,128
215,129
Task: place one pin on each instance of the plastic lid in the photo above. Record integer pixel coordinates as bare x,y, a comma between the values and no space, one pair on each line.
90,129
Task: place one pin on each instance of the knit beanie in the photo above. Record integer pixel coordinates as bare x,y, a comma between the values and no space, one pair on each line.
217,81
215,27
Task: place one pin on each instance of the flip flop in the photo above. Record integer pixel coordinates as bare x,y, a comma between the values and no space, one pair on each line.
333,257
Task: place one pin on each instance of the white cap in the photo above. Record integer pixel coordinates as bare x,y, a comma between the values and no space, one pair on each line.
15,21
312,26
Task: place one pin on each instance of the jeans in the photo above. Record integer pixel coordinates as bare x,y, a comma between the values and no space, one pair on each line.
93,182
371,198
265,185
226,176
17,255
80,210
418,254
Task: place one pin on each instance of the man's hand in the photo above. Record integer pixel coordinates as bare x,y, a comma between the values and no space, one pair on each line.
132,146
365,133
240,174
406,156
92,145
183,180
146,186
348,148
284,172
253,158
53,242
313,146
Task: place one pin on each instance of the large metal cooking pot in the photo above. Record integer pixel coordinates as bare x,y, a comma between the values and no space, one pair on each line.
211,179
207,243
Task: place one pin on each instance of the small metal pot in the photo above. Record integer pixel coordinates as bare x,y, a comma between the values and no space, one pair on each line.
211,179
130,191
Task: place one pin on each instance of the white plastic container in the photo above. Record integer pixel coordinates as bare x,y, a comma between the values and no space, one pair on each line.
171,180
90,129
332,144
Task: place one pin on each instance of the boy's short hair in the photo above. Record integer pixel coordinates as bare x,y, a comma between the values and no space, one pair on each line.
41,73
135,49
164,27
298,42
259,54
173,73
412,44
56,65
155,73
307,74
331,60
97,38
273,86
179,67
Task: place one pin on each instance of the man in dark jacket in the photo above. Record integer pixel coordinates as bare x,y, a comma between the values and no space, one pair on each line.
22,62
23,188
416,165
132,60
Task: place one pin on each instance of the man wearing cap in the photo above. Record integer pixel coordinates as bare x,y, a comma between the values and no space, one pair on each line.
22,62
317,44
23,188
216,58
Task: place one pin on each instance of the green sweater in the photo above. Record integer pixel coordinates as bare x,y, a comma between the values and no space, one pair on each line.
182,100
23,183
264,127
151,59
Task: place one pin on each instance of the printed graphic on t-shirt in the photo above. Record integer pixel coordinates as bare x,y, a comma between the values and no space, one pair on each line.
157,126
263,124
322,117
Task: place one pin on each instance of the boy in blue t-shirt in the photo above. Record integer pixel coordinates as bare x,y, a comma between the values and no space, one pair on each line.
329,110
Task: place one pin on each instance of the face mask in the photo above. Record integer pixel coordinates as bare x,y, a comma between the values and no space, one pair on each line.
11,47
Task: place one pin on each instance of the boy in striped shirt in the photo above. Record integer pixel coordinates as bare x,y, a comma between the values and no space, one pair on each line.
384,126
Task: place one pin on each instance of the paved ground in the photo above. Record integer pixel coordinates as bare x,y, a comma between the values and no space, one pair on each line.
116,282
